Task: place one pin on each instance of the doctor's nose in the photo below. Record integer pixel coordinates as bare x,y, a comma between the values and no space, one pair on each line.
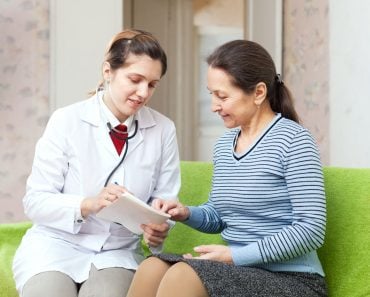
143,91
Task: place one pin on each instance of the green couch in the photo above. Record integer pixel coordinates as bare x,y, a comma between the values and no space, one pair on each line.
345,254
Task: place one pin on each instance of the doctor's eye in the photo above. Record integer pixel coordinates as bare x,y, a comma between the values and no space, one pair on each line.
153,85
135,80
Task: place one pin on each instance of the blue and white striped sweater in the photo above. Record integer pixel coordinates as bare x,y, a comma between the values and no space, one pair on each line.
268,203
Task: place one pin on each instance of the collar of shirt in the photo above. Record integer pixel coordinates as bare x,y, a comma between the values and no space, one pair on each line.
109,116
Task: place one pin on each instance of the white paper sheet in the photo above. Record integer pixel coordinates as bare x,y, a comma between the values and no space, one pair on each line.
131,212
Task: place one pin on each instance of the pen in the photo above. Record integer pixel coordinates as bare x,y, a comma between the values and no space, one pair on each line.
117,222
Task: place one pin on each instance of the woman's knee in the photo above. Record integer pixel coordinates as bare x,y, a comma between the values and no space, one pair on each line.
153,264
182,273
182,279
178,271
148,277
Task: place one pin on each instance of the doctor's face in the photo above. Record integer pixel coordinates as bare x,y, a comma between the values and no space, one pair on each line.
131,86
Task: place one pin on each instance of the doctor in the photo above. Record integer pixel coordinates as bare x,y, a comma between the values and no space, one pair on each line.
83,163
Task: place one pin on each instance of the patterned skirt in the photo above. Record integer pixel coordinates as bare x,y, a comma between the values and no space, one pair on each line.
225,280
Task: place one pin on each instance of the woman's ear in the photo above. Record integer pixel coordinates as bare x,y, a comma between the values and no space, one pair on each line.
260,93
106,71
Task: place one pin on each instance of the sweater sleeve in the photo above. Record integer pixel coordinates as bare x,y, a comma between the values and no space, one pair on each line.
305,185
205,218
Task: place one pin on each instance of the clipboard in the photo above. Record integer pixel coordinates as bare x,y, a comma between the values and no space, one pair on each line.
132,212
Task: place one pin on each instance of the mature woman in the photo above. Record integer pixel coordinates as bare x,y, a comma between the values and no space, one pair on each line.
267,197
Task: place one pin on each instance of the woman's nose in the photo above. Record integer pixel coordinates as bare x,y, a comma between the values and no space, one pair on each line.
215,106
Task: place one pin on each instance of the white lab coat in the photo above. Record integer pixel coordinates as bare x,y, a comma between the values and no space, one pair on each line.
72,161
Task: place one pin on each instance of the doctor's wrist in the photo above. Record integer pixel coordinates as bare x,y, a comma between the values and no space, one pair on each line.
86,207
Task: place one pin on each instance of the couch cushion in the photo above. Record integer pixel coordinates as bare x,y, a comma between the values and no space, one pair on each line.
195,186
10,238
345,254
346,251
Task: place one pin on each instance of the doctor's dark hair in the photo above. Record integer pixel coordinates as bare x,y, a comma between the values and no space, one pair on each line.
133,41
248,64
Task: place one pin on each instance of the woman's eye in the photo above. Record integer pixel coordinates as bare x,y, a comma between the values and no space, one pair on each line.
218,96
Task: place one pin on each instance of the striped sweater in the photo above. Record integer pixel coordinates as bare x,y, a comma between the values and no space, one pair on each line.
268,203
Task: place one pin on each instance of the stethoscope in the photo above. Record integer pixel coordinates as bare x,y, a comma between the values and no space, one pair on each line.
120,135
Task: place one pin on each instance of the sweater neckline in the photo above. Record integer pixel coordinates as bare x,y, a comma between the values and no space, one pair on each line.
237,156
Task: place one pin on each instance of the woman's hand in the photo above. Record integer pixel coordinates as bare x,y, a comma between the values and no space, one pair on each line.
174,208
155,234
107,196
215,252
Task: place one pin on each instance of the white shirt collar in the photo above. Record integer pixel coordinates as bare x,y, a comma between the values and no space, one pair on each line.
108,116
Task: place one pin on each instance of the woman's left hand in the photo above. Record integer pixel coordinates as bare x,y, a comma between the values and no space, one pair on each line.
155,234
215,252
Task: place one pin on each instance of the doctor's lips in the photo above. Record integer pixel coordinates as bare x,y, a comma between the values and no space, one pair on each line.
135,101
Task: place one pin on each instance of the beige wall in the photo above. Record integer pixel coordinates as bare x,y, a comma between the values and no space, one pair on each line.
40,72
24,87
228,13
306,65
24,96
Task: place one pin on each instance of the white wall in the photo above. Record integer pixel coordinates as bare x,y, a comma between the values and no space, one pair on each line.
80,30
217,22
349,83
79,33
264,21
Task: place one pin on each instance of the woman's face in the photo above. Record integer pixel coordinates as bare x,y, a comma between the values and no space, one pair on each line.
233,105
131,86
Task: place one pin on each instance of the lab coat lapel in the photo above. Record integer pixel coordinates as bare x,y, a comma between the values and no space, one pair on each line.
135,141
102,136
91,114
145,120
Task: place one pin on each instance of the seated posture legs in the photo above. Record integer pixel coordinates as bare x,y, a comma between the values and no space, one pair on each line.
156,278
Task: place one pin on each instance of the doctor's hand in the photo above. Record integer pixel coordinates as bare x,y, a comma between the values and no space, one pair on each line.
155,234
107,196
178,211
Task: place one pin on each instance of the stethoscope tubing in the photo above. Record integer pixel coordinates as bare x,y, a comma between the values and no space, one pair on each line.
124,154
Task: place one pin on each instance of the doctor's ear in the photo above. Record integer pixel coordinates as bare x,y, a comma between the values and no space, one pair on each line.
106,71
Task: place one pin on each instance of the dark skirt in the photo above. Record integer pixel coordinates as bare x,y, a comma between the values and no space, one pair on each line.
224,280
